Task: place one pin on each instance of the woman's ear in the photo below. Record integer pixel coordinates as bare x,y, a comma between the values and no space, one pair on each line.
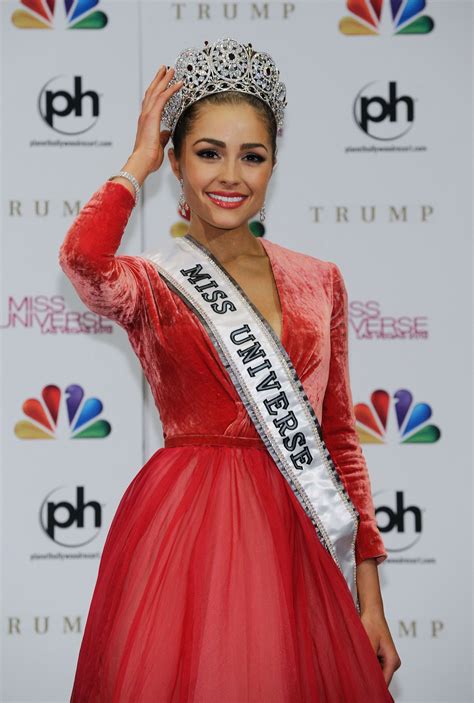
174,162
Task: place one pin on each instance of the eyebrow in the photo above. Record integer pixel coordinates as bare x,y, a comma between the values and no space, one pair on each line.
217,142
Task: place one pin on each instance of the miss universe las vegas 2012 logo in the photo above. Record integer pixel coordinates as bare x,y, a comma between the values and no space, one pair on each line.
54,14
385,17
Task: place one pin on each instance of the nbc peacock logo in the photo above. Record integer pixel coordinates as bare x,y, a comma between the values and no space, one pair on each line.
79,419
395,417
59,14
386,17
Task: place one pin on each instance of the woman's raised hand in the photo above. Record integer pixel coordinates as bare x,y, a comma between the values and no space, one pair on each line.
148,150
150,141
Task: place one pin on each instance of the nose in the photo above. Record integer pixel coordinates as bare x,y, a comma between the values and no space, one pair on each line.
229,174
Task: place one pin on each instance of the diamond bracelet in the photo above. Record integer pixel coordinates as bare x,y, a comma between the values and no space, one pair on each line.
132,179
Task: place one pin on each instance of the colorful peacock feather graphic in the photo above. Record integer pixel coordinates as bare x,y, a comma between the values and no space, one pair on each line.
411,419
374,17
44,415
51,14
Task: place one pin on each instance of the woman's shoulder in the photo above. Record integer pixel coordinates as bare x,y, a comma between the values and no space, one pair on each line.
303,260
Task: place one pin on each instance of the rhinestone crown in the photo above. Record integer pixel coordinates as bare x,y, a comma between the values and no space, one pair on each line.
224,65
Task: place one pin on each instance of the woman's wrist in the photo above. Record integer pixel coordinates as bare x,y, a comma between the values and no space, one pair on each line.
368,587
138,167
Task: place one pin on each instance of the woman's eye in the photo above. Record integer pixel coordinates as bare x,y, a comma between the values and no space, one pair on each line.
207,151
256,158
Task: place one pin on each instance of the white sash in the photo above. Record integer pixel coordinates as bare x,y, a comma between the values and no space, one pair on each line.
271,391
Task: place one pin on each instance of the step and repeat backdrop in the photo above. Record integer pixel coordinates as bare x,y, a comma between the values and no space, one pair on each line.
374,173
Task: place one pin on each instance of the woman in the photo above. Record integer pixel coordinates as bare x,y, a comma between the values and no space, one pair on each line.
213,584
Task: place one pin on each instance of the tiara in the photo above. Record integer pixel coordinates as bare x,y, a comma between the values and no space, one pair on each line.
224,65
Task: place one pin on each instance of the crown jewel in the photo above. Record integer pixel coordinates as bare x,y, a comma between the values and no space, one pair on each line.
224,65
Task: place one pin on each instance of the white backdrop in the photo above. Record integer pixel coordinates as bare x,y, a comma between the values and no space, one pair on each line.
374,173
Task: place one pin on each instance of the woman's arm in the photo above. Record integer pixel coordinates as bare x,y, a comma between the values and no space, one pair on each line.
340,435
339,429
107,284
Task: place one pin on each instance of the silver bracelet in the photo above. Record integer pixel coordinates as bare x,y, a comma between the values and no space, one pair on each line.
132,179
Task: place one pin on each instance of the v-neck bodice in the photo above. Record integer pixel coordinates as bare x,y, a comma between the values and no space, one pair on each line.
276,278
193,393
177,356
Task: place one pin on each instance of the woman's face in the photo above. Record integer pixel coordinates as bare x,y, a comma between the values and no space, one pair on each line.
227,153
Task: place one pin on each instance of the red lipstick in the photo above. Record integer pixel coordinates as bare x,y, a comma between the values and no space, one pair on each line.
235,199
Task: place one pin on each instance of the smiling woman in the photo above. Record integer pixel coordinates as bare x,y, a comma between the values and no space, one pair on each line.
229,117
229,198
241,563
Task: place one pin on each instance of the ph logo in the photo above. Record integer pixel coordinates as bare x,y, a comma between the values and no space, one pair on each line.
73,522
383,114
65,111
401,524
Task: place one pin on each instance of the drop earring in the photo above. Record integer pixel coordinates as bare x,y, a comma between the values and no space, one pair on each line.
183,207
262,213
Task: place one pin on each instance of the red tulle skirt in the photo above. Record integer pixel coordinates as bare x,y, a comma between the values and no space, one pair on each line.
213,587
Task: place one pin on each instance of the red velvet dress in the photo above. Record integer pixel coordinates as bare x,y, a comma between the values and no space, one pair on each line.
213,585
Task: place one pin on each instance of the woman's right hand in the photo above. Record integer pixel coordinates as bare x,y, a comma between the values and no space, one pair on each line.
150,141
148,150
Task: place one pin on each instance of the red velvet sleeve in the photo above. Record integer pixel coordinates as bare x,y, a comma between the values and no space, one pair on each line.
339,429
107,284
